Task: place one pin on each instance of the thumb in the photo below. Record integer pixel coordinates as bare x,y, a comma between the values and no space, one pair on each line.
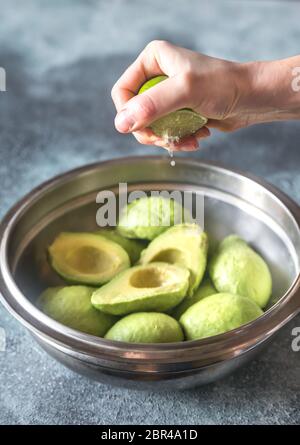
165,97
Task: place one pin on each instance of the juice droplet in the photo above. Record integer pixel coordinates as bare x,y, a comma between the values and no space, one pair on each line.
173,163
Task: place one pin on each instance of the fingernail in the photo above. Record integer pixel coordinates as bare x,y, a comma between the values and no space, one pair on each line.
124,121
189,147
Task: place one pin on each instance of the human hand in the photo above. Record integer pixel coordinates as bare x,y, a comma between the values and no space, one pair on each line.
231,95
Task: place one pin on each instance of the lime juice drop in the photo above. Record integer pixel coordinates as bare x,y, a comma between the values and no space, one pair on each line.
171,153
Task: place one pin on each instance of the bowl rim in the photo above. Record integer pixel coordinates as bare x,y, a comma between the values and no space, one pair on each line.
211,349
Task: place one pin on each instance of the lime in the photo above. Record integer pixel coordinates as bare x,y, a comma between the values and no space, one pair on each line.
151,83
176,125
146,327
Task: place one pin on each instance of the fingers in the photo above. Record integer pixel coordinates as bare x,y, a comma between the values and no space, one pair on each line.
143,68
120,96
159,57
147,137
202,133
165,97
137,112
190,143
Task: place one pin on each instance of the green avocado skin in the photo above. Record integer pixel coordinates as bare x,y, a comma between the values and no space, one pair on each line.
71,306
162,302
148,217
236,268
146,327
216,314
132,247
205,289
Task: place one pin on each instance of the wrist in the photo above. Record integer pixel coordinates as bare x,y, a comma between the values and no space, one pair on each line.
272,89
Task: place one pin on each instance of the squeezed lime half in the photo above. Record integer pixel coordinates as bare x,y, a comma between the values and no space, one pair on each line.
176,125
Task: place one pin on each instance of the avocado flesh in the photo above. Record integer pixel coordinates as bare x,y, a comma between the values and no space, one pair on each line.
132,247
146,327
218,313
154,287
185,245
205,289
148,217
237,268
71,306
87,258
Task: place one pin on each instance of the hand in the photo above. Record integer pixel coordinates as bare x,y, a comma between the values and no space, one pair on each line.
231,95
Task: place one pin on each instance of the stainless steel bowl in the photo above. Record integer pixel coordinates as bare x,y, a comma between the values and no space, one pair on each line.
234,202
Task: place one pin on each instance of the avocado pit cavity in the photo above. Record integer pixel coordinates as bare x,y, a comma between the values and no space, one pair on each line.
88,259
171,256
150,277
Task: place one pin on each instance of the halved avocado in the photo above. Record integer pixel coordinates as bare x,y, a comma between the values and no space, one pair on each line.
71,306
87,258
132,247
153,287
148,217
185,245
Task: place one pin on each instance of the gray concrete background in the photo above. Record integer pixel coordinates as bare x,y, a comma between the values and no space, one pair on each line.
61,59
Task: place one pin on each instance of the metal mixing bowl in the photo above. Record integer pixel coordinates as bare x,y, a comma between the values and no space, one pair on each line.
234,203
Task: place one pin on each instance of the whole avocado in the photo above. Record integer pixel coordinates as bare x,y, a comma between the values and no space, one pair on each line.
237,268
217,314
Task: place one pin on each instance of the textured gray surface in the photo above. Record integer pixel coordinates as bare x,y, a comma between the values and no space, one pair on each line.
62,58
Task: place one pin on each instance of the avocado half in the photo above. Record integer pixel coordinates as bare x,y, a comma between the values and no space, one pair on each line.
237,268
153,287
87,258
71,306
185,245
